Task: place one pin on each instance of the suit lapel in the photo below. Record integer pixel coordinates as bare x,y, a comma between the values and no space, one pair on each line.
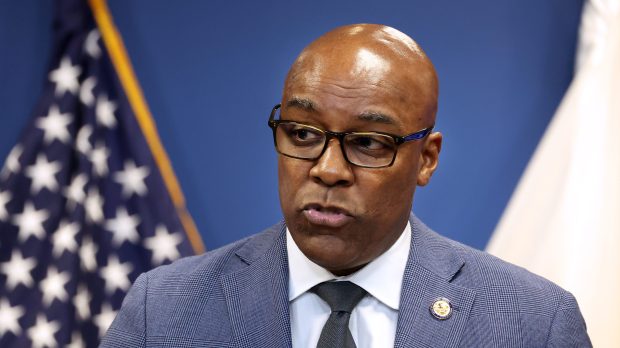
257,295
433,262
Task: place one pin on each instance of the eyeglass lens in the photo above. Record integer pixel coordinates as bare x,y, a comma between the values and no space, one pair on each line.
363,149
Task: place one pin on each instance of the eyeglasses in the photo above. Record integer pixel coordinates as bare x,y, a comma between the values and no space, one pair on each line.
363,149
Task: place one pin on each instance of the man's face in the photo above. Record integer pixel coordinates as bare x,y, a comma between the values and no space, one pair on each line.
342,216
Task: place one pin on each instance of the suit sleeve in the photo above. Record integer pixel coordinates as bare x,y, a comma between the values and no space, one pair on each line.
129,327
568,328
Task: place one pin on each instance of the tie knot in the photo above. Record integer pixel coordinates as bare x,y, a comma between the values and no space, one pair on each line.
340,296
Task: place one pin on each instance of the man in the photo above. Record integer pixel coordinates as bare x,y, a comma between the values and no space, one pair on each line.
354,137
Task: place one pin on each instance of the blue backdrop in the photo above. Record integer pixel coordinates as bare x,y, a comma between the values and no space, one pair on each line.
211,71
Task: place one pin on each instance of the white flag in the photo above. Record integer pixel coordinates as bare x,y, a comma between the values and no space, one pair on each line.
563,220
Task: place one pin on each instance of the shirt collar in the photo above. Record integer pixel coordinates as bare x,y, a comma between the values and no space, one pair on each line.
382,277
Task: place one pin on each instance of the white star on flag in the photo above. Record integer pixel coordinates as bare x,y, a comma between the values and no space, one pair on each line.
64,238
99,156
104,319
88,252
123,227
163,245
91,45
76,341
105,111
30,222
12,165
75,192
94,206
86,91
81,301
42,333
54,125
82,142
5,198
17,270
132,179
53,286
116,275
66,77
9,317
43,174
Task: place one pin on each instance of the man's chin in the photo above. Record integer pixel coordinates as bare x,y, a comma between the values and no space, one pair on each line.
330,252
337,268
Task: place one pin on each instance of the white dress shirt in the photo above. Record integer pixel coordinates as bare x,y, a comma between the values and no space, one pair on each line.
373,321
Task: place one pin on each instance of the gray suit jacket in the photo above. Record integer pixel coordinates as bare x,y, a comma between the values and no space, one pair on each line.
237,296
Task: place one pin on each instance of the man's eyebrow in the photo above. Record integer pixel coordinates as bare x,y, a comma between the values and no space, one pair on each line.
301,103
376,117
372,116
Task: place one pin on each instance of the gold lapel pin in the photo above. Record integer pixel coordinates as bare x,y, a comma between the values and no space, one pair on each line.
441,308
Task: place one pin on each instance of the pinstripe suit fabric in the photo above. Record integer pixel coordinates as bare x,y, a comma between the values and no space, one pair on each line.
237,296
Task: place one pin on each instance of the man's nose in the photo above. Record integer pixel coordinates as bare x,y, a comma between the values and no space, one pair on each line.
332,168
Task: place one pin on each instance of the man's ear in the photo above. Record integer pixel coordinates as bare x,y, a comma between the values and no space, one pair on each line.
429,158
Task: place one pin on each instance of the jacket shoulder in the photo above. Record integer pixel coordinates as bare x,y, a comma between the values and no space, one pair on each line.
539,312
212,264
166,305
473,268
487,272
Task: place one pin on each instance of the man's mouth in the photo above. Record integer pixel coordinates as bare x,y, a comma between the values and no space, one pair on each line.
326,216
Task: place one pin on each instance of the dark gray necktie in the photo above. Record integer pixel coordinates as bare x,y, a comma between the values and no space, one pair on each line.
341,297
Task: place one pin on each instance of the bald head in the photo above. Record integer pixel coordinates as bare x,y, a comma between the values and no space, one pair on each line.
374,55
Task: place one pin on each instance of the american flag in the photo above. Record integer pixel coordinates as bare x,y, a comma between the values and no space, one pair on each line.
84,208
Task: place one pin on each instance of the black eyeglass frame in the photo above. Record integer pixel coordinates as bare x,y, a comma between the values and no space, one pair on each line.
398,140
